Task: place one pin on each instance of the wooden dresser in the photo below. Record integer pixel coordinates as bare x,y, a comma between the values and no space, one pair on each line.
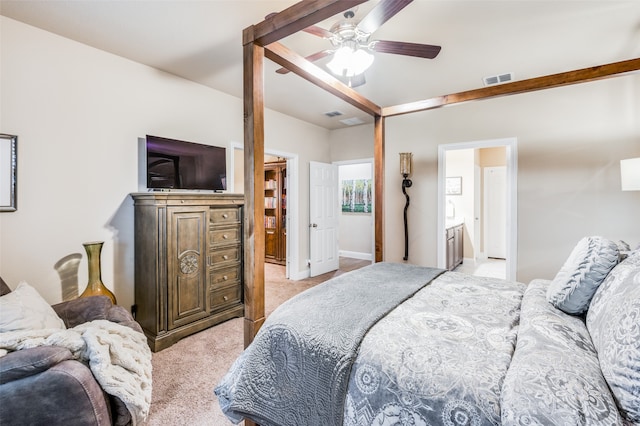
188,263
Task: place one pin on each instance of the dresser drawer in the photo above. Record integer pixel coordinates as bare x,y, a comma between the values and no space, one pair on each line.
222,256
223,297
222,236
225,276
221,216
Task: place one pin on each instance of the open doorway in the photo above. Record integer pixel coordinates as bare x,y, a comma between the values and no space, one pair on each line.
341,214
356,232
275,209
290,223
477,187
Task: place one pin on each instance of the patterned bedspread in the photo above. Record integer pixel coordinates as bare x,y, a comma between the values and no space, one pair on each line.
437,354
440,358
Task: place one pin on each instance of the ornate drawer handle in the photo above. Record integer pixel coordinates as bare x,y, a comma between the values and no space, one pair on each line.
224,277
225,236
225,257
224,215
226,298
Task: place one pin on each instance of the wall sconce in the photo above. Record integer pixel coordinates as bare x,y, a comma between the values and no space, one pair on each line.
405,171
630,174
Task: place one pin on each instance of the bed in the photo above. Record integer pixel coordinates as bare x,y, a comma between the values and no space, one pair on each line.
401,344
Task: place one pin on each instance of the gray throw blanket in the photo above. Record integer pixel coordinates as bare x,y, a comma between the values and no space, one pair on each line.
296,371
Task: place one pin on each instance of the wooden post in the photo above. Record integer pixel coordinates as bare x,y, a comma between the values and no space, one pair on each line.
253,188
378,165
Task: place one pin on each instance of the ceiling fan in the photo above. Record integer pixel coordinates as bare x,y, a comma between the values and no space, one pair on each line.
352,49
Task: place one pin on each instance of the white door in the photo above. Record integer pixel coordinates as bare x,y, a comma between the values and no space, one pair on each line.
495,197
323,216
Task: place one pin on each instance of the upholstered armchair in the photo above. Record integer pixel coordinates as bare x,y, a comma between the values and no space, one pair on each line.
46,386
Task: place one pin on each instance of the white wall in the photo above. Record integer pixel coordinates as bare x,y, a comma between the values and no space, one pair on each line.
78,113
570,142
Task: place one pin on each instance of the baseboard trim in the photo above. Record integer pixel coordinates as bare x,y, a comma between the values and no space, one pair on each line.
355,255
300,275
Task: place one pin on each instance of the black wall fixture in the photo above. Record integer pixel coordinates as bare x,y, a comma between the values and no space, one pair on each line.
405,171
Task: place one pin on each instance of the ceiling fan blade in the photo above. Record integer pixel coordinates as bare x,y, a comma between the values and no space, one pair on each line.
409,49
381,13
311,58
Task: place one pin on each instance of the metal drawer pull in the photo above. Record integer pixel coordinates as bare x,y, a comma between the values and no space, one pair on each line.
224,277
225,236
224,215
226,298
225,257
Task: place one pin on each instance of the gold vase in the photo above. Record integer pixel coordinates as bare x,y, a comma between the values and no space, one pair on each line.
95,287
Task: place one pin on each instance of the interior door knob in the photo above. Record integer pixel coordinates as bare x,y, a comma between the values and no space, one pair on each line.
314,225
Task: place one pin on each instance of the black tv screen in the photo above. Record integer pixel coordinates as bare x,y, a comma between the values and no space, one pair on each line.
175,164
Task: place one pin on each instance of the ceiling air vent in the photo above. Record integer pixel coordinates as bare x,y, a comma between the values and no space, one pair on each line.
333,114
351,121
497,79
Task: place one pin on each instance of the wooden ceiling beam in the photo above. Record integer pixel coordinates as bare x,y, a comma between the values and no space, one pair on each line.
289,59
295,18
530,85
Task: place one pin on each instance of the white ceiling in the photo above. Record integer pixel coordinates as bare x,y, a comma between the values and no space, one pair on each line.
201,41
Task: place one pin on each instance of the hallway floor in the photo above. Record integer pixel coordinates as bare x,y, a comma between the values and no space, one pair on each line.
495,268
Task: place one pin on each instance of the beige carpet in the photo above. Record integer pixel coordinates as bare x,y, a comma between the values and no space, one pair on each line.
185,374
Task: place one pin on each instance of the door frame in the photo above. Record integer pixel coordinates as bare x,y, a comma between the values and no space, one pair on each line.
293,232
511,145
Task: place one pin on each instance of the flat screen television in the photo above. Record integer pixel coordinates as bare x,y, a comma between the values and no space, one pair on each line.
181,165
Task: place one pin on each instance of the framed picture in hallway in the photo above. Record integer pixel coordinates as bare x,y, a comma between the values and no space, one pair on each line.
453,185
356,196
8,172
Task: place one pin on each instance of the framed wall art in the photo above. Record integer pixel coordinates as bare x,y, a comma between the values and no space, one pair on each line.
356,196
8,172
453,185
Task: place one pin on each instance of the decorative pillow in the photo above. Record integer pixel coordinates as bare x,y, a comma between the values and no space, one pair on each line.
613,321
578,279
25,309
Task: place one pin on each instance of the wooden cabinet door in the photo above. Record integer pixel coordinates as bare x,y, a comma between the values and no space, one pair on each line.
186,264
450,254
458,238
270,243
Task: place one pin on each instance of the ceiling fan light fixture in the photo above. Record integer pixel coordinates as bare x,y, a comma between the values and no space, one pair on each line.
350,60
